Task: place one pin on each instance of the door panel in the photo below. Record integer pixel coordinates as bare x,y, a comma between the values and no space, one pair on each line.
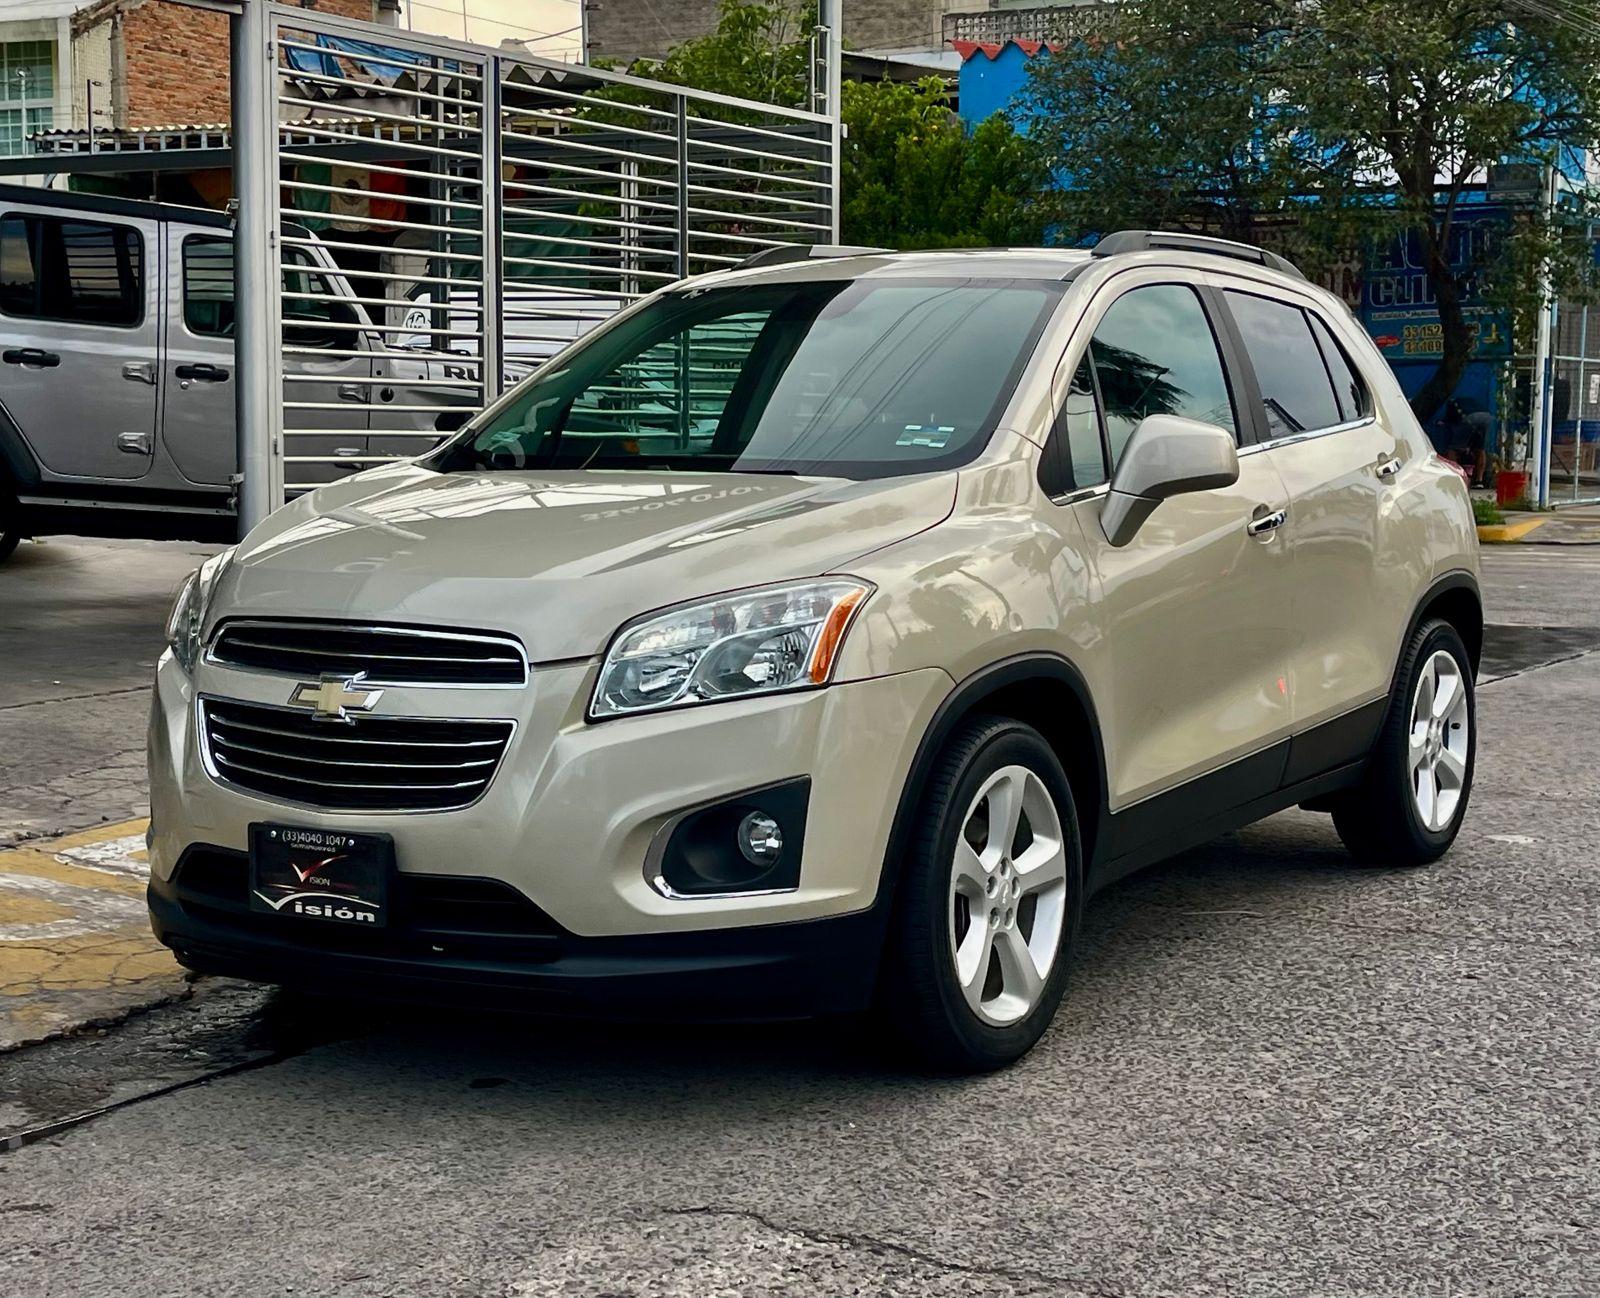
1341,467
198,423
1195,615
79,323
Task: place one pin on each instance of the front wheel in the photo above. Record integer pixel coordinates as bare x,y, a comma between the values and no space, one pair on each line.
1413,797
987,912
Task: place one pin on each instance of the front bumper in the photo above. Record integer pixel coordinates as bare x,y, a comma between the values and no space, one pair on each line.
567,823
764,972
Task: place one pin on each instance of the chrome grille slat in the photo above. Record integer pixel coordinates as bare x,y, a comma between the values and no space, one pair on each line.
297,779
245,643
335,738
383,655
401,764
236,746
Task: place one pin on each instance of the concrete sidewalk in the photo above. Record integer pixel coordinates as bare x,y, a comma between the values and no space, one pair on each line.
1571,526
75,941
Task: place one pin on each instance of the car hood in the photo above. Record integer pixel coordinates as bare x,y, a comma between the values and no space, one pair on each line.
559,559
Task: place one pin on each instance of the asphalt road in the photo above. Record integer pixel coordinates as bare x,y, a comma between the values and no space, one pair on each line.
1275,1075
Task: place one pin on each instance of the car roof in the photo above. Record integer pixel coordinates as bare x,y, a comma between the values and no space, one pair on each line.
983,263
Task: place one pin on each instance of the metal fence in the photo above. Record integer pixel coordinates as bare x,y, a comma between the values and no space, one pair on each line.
449,216
1048,23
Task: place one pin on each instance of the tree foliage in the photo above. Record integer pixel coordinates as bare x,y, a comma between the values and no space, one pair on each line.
911,175
1319,124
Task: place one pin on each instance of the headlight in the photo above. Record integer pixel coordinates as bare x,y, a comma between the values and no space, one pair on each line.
756,642
188,616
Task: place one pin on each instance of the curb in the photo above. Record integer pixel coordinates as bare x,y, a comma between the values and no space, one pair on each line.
1501,533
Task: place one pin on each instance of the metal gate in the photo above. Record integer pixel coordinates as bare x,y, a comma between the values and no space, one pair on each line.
449,216
1571,440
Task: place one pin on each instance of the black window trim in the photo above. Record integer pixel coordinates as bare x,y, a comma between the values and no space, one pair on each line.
1249,415
1262,439
90,218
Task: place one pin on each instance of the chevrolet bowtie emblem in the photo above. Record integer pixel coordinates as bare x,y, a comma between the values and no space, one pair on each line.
333,698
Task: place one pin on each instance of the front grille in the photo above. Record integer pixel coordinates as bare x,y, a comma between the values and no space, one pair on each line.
365,764
430,915
383,655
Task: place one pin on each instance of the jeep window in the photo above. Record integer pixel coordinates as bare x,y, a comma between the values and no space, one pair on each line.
850,378
1295,386
81,272
320,320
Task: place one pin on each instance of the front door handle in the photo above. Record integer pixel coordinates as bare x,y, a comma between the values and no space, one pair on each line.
1264,524
134,443
35,356
140,372
353,392
201,373
1388,468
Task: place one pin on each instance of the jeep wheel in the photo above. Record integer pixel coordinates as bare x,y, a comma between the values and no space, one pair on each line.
1413,797
987,912
10,533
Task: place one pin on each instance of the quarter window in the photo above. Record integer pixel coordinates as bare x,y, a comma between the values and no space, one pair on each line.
1295,387
1083,452
1347,384
82,272
1154,354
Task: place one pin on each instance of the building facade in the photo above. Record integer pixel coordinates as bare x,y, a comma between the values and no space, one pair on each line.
624,30
116,64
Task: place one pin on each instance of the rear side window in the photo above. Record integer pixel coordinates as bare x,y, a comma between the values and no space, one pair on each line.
1154,354
1347,385
82,272
1295,386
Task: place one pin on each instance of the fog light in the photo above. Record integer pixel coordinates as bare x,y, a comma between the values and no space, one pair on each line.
760,839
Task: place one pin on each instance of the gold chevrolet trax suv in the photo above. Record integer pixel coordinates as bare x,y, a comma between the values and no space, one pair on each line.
820,635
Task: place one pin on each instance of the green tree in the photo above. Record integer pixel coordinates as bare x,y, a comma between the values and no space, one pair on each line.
1318,124
911,175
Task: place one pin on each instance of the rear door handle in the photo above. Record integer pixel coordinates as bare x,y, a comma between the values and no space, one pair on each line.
1388,468
36,356
202,373
353,392
1265,523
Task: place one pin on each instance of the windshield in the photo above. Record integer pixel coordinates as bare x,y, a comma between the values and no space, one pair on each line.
847,378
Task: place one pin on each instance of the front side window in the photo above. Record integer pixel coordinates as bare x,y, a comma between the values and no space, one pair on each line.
849,378
83,272
313,314
1295,387
1154,354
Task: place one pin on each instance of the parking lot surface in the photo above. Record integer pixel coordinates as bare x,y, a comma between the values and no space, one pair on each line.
1275,1074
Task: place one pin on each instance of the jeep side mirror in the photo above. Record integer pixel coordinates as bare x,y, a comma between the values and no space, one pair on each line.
1166,456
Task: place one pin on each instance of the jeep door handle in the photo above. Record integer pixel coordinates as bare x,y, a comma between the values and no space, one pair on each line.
353,392
201,373
140,372
36,356
1265,523
1388,468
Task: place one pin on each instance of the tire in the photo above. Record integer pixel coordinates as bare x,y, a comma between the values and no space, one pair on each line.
989,1010
1409,806
10,533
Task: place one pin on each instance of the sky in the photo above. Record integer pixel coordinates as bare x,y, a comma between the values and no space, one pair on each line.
550,26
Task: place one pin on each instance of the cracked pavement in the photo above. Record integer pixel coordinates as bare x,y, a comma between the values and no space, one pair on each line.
1275,1075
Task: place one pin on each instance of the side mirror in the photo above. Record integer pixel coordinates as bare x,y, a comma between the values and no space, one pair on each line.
1166,456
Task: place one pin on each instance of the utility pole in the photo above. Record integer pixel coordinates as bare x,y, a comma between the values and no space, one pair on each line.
258,390
1541,412
829,21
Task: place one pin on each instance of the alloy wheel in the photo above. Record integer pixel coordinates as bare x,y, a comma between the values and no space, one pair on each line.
1008,893
1438,744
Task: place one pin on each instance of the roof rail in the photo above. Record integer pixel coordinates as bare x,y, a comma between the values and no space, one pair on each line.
1159,240
803,252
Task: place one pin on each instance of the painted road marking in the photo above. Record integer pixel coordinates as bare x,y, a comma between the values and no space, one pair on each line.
75,940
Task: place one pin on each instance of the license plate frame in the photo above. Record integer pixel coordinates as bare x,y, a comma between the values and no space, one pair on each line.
321,876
